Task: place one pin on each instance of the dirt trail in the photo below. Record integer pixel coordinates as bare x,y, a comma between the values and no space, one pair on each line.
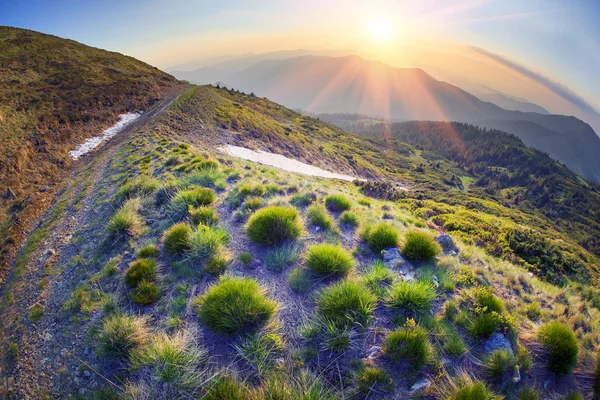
38,355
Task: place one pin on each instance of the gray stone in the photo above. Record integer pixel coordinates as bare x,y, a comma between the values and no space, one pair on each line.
87,373
446,242
423,384
372,353
496,342
393,258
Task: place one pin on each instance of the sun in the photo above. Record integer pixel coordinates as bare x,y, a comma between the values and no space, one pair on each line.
381,29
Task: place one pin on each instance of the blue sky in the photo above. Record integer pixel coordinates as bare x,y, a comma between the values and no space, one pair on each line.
559,40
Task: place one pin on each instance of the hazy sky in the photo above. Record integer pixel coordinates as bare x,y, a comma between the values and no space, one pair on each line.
554,43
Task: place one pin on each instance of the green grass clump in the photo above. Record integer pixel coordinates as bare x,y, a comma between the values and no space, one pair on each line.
206,241
329,260
420,246
455,346
142,185
176,239
303,199
484,325
180,204
409,344
500,364
225,388
278,258
528,393
381,237
299,280
368,377
349,219
274,225
202,177
148,251
204,215
245,258
560,343
122,334
487,301
338,203
145,293
36,313
125,221
252,203
318,216
140,270
474,391
346,303
378,278
235,305
412,299
216,265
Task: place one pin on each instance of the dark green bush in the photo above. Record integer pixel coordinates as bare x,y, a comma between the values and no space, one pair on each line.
140,270
318,216
409,344
274,225
337,202
349,219
346,303
561,345
145,293
180,204
204,215
176,239
420,246
329,260
381,237
235,305
412,299
484,325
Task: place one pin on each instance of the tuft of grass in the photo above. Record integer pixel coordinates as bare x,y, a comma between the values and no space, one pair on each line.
204,215
318,216
487,301
368,377
528,393
235,305
378,278
484,325
125,221
409,344
148,251
499,364
140,270
561,345
274,225
303,199
299,280
145,293
206,242
180,204
176,239
216,265
252,203
329,260
259,350
278,258
121,335
412,299
202,177
346,303
337,337
349,219
473,391
420,246
225,387
142,185
338,203
381,237
245,258
36,313
597,376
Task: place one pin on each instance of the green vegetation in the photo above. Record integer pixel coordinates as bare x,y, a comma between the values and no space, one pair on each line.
420,246
225,387
148,251
299,280
378,278
145,293
234,305
125,221
204,215
176,239
303,199
500,364
328,260
318,216
348,218
140,270
274,225
381,237
346,303
474,391
278,258
180,204
122,334
412,299
338,202
561,345
140,186
409,344
206,242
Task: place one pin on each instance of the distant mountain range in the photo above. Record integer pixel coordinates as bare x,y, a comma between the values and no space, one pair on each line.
352,84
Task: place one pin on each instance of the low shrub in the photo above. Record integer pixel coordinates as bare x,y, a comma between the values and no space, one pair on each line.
299,280
329,260
145,293
122,334
338,203
176,239
303,199
500,364
412,299
346,303
180,204
225,388
274,225
148,251
474,391
381,237
140,270
205,242
349,219
484,325
318,216
409,344
368,377
204,215
125,221
561,345
235,305
420,246
216,265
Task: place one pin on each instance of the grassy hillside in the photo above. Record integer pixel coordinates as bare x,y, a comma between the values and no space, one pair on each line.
54,93
213,278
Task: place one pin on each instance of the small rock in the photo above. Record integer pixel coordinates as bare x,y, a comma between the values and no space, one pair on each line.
44,189
393,258
496,342
48,337
50,252
239,273
423,384
546,383
446,242
372,353
87,373
435,282
77,381
453,253
317,228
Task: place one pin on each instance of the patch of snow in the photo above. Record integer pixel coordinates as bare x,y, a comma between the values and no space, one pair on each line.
282,162
93,142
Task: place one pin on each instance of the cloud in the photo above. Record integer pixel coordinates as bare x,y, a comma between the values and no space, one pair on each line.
556,88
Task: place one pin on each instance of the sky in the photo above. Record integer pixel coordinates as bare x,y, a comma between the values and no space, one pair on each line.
546,51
